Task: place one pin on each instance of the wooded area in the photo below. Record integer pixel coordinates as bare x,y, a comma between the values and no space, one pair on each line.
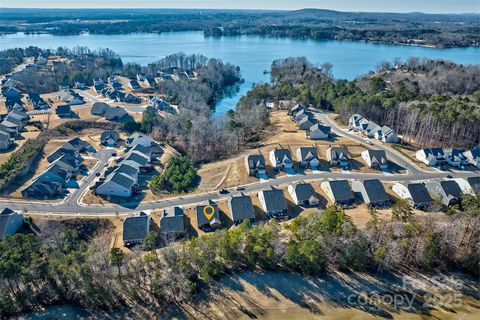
430,102
439,30
71,263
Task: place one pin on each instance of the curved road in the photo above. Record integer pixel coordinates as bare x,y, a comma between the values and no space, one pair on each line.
73,205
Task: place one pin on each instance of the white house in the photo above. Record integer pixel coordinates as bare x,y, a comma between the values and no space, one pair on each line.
375,159
416,193
386,134
473,156
273,202
117,184
281,159
318,132
431,156
303,194
466,185
308,157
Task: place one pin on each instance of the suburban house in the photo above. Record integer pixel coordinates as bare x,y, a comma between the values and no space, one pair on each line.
6,141
386,134
370,129
281,159
431,156
139,138
37,101
318,132
11,92
140,76
339,192
123,180
416,193
161,105
149,81
70,98
241,208
98,87
448,191
372,191
304,113
338,157
473,156
97,81
273,203
295,109
208,216
134,84
375,159
115,113
109,138
303,194
50,182
305,123
308,157
255,165
455,157
172,223
64,111
354,122
470,185
135,229
98,108
77,144
10,222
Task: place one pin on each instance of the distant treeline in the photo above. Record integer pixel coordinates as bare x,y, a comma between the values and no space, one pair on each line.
430,102
440,30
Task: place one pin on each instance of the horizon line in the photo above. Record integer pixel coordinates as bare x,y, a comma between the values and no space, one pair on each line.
235,9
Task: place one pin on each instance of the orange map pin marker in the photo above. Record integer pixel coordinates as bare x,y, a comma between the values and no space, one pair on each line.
208,211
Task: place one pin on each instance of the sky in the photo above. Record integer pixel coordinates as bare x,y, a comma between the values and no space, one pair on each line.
430,6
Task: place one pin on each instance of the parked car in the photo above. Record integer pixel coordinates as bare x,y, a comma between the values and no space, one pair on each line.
223,191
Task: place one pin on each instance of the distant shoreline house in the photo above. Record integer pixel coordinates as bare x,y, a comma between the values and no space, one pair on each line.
372,130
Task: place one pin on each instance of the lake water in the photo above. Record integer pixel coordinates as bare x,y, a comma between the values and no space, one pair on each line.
253,54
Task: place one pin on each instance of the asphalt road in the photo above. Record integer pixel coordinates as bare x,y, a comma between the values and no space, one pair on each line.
73,205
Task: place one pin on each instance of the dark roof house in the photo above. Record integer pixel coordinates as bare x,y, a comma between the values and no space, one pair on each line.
241,208
135,229
372,191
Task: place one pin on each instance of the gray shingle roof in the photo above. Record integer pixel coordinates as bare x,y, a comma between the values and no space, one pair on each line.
308,153
241,207
379,156
419,193
274,200
304,191
256,161
338,153
451,188
474,183
341,190
173,220
202,219
375,190
135,228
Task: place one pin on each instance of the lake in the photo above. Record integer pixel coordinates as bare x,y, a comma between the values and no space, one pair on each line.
253,54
